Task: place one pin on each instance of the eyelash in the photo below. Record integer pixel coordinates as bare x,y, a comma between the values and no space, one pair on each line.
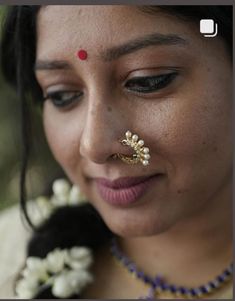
150,84
140,85
60,100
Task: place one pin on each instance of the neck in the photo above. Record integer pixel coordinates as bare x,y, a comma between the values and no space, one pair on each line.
194,250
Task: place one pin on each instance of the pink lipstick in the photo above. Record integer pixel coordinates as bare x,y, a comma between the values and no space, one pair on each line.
123,191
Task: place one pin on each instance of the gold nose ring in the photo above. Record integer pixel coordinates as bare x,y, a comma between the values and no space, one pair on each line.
141,152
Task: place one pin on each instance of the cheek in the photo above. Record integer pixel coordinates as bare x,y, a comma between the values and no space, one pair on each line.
202,113
63,138
192,132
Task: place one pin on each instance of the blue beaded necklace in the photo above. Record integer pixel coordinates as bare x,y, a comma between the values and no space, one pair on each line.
158,284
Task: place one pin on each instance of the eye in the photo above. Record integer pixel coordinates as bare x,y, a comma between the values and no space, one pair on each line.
63,98
150,84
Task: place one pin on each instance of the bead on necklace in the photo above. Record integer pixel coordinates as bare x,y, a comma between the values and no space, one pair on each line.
158,284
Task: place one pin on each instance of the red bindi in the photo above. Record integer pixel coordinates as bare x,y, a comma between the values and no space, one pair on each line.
82,54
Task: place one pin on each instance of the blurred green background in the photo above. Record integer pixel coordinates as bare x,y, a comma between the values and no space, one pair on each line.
42,168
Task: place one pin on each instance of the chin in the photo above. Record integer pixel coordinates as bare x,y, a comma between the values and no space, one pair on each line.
136,227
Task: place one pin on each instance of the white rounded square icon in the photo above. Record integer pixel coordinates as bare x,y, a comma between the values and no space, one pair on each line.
207,26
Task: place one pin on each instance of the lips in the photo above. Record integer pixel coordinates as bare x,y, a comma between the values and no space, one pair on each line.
121,182
123,191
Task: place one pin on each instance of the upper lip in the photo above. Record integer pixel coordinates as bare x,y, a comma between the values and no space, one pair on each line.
123,182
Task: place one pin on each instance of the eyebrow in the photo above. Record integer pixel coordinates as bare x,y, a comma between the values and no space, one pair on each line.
51,65
116,52
143,42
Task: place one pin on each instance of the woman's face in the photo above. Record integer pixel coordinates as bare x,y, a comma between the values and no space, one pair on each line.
154,75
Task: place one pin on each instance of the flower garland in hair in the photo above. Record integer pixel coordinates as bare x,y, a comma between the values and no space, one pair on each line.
66,271
64,194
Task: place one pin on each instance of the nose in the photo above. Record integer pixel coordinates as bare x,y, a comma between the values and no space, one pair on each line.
101,133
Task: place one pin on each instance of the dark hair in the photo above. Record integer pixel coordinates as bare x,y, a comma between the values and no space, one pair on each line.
82,225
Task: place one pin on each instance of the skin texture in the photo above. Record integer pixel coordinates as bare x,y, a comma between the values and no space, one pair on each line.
186,217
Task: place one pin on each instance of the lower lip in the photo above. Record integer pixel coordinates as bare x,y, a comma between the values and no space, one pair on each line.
124,196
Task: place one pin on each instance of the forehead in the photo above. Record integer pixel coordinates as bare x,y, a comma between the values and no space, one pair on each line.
95,27
90,17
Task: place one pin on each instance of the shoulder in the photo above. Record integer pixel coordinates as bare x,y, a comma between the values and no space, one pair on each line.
14,237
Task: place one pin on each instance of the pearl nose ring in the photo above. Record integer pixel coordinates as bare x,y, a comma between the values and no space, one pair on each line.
141,152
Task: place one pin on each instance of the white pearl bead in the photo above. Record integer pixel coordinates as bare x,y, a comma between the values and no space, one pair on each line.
134,138
128,134
145,162
141,142
146,150
147,156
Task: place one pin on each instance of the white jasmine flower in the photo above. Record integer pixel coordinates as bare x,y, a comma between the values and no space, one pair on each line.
61,287
44,205
35,214
55,260
26,288
39,209
61,188
34,263
76,197
70,282
79,258
35,269
59,201
66,271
